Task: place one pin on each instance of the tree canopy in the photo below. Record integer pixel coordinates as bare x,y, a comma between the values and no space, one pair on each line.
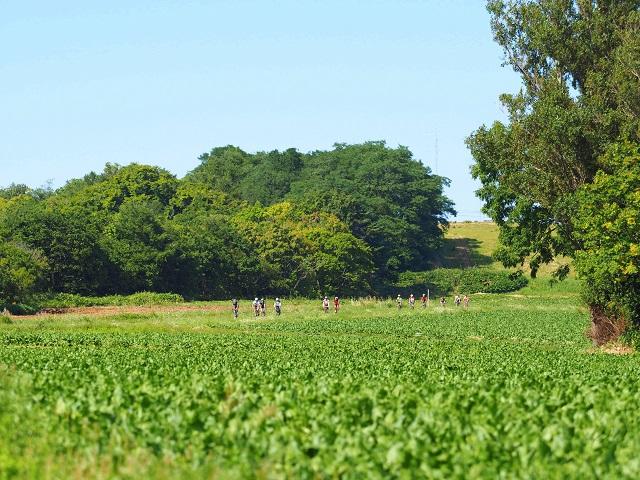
279,222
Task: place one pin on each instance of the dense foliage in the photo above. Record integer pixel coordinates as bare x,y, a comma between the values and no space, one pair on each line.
607,222
579,62
504,389
70,300
442,281
286,223
20,272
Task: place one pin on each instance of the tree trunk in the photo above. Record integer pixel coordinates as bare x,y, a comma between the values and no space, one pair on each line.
605,327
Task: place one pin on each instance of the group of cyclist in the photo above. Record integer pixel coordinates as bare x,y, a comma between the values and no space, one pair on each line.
424,300
260,309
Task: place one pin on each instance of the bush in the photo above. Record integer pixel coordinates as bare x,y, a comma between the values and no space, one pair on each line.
442,281
70,300
20,271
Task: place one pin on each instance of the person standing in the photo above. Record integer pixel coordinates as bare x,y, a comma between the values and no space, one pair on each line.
336,304
278,306
423,300
412,301
235,305
325,305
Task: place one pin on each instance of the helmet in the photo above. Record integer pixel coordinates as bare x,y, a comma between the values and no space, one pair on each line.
336,298
277,299
256,299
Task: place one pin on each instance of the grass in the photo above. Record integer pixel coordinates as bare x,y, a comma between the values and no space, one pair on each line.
473,243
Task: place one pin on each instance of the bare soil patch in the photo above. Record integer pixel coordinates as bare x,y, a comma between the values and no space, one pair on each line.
613,349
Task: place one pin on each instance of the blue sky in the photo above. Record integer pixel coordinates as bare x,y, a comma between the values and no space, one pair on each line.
160,82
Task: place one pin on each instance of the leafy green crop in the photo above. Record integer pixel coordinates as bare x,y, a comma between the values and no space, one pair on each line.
505,388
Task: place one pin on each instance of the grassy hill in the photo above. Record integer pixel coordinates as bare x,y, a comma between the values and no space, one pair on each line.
471,244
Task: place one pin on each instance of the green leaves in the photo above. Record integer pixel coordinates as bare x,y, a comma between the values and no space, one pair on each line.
503,389
577,62
305,253
606,222
20,271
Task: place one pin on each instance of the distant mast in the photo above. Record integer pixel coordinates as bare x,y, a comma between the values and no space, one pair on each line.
436,152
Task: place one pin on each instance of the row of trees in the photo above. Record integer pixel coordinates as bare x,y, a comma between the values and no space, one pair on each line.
344,220
562,176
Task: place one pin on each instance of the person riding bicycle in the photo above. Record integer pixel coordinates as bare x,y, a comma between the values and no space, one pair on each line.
336,304
325,305
424,300
256,307
235,304
278,306
263,308
399,301
412,301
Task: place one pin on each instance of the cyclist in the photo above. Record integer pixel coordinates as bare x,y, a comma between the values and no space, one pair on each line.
263,308
336,304
399,301
457,300
412,301
424,299
325,305
256,307
234,302
278,306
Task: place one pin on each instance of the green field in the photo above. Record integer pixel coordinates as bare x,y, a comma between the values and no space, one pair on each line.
508,388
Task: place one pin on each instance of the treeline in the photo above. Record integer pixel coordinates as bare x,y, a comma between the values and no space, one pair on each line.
345,220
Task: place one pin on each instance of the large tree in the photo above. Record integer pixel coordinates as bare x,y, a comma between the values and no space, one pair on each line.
579,61
387,198
579,65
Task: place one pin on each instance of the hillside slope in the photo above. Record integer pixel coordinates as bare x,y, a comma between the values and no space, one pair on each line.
471,244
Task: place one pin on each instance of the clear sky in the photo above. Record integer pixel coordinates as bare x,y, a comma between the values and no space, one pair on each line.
159,82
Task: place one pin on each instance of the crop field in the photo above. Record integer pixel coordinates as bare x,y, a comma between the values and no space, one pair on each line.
508,388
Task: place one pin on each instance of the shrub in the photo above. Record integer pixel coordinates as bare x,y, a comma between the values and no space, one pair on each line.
70,300
442,281
20,271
